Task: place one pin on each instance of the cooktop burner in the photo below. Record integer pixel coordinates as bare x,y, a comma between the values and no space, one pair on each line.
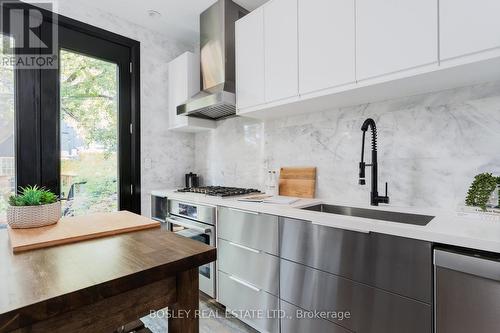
219,191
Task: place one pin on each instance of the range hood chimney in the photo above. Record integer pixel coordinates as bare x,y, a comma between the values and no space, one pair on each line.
217,98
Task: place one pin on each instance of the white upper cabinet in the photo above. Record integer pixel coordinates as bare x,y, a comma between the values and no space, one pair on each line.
323,54
326,44
183,83
250,60
468,26
394,35
280,49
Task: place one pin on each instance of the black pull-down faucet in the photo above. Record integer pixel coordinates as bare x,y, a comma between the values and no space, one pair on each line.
375,199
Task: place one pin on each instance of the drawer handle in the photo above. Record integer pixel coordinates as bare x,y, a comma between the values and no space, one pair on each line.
361,231
189,225
468,264
244,247
243,211
243,283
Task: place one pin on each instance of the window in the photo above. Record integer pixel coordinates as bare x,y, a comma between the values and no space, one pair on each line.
89,133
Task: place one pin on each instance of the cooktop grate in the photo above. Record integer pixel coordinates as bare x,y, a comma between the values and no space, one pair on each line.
219,191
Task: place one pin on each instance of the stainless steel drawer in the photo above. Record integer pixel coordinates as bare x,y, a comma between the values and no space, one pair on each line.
250,304
294,321
371,310
254,266
254,230
396,264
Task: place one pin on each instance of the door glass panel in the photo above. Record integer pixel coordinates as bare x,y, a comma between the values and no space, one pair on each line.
7,121
197,236
89,134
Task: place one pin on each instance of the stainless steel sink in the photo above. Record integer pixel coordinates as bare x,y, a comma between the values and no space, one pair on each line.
373,214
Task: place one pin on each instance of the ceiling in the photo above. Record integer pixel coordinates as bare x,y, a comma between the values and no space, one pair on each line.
179,18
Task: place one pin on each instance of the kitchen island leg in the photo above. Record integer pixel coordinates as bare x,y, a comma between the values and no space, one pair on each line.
184,313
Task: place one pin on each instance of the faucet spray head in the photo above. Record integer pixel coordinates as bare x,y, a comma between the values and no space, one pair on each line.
362,166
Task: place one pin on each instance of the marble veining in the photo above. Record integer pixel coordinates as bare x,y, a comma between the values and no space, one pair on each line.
430,147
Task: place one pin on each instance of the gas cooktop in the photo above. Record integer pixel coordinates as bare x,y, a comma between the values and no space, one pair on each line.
219,191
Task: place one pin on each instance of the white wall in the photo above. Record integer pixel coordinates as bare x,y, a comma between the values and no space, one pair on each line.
430,147
172,154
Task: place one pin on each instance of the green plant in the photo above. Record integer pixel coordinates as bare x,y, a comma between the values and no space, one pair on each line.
480,190
32,196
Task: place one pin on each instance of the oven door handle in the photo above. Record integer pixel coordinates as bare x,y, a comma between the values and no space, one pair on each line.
188,225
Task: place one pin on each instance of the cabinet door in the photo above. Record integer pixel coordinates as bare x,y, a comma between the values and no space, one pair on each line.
372,310
326,44
396,264
242,262
468,26
297,320
244,300
250,59
280,49
394,35
183,83
177,88
251,229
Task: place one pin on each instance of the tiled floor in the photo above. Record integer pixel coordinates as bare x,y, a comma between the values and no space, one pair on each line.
213,320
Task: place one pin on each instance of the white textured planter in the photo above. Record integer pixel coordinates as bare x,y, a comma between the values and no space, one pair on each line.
33,216
493,201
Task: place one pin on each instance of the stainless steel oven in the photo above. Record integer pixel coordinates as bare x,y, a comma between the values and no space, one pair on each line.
198,223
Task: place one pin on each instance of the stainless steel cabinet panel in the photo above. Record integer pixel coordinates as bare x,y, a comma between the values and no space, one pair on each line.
194,211
252,305
291,323
467,293
254,266
254,230
159,208
371,310
466,303
396,264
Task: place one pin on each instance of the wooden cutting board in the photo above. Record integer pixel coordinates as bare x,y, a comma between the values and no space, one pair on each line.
298,182
79,228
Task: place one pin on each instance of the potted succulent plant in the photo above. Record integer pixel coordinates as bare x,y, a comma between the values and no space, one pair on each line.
33,207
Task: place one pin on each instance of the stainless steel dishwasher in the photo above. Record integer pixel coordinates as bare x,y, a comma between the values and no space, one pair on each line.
467,292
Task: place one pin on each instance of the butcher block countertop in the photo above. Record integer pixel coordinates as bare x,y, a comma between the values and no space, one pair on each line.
46,288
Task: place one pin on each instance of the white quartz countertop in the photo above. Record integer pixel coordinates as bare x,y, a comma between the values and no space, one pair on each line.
470,230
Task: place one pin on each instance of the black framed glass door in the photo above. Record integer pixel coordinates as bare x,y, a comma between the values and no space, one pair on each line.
94,124
76,127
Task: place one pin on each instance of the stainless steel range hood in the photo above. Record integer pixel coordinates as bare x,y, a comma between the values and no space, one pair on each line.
217,98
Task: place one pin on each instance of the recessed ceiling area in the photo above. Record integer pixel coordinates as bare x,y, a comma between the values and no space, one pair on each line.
176,18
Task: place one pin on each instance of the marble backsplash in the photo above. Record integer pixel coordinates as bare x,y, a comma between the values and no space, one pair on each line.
430,147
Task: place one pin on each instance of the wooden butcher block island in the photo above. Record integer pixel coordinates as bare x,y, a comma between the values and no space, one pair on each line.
101,284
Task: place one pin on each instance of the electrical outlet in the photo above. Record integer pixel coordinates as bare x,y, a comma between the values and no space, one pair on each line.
148,163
